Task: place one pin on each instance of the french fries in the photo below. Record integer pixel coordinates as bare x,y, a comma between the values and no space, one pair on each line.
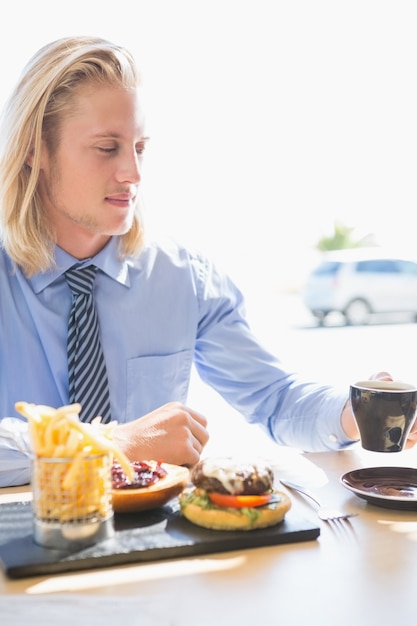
71,477
72,491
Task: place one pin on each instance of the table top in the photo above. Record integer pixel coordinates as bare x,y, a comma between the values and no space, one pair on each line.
364,572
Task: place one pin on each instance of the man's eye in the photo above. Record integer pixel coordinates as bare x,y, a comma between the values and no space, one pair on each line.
107,150
140,147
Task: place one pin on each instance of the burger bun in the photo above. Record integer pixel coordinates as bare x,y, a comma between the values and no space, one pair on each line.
196,508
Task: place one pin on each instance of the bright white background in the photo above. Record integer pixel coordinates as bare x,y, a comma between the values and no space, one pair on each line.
269,119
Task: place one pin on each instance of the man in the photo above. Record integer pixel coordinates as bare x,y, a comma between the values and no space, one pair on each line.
72,143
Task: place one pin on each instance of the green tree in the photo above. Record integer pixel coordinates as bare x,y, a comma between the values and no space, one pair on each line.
342,238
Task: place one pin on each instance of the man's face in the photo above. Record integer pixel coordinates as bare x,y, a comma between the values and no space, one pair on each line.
89,185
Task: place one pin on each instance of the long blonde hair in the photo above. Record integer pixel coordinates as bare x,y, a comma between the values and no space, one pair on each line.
43,95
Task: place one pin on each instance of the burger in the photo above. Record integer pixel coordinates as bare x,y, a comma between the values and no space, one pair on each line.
228,494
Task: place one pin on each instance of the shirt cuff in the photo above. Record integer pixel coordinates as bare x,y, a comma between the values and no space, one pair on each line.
330,421
14,453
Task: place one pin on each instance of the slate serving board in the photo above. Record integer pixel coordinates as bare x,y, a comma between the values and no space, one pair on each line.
140,537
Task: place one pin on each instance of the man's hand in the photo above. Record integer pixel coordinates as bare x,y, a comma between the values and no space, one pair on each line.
349,422
173,434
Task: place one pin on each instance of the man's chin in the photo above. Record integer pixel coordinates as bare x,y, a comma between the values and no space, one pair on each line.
120,228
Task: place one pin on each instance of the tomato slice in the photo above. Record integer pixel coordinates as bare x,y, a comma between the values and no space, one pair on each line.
238,502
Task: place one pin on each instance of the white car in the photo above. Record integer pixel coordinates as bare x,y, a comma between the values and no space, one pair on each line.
360,283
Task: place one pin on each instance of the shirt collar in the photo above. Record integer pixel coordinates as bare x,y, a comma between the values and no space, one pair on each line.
107,260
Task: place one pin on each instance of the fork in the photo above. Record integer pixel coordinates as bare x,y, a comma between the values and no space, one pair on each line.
325,513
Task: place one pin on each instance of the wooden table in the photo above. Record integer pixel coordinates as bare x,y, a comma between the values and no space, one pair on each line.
363,574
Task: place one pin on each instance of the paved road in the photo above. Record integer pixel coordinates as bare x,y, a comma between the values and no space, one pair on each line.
337,353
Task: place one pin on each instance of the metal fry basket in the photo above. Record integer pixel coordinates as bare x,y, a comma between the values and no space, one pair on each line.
72,500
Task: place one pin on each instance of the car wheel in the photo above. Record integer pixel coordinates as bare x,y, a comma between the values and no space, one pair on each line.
319,316
357,313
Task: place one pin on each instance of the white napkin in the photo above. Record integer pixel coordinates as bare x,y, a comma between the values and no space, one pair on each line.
15,434
291,464
14,452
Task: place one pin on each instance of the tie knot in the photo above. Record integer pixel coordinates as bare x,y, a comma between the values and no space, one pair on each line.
81,280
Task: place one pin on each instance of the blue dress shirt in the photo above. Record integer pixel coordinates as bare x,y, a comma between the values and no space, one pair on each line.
159,314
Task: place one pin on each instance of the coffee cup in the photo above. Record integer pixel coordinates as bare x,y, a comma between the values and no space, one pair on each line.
384,412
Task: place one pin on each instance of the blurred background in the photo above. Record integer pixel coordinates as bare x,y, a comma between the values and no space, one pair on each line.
271,121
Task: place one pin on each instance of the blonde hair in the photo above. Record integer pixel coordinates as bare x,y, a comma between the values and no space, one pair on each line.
42,97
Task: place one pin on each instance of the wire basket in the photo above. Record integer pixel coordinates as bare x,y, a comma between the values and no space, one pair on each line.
72,500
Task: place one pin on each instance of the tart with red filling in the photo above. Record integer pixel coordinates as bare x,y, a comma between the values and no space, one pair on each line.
153,485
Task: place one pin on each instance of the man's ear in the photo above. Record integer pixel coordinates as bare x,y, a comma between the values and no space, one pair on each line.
29,158
41,155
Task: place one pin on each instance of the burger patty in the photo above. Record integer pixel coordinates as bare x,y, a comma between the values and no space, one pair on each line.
229,476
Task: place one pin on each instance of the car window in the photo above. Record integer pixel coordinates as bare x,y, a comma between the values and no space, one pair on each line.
328,268
408,267
379,266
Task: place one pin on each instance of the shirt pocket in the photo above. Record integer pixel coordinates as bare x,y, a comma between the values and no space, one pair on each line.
155,380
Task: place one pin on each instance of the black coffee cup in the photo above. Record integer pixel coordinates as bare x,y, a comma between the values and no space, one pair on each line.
384,412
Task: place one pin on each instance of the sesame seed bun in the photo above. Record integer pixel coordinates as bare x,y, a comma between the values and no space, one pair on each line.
198,509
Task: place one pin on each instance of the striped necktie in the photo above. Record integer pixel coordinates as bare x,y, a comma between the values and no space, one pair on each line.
87,373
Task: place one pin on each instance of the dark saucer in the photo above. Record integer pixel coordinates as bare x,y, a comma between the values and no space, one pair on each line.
389,487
